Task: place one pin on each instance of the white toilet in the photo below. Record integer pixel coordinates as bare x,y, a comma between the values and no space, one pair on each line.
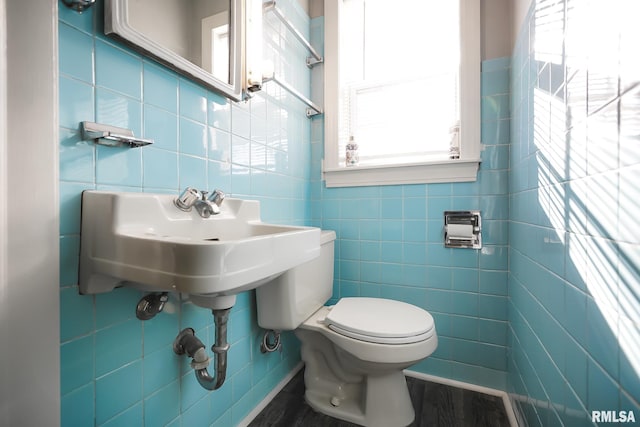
354,351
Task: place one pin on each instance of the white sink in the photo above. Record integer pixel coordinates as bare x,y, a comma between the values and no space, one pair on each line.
143,240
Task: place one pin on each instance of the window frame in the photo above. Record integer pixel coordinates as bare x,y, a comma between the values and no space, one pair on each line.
464,169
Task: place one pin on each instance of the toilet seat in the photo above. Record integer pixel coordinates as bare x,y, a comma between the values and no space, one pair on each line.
381,321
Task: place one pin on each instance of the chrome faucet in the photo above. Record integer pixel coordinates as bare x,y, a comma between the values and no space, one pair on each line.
206,206
209,206
187,199
217,197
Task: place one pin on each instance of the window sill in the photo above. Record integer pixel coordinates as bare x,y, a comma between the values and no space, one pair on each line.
412,173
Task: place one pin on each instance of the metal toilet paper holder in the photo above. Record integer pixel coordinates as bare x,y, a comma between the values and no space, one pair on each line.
462,229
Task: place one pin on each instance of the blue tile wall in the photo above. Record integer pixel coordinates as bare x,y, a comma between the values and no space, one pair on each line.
117,370
548,308
389,244
574,185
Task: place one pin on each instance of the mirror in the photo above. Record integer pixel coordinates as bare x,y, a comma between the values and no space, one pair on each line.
200,39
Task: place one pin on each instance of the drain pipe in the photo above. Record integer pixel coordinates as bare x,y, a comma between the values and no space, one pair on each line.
187,342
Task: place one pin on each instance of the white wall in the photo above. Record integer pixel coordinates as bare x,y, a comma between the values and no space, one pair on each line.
497,37
316,8
305,5
29,300
519,11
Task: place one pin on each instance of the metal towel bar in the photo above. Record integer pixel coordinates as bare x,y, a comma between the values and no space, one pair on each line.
313,108
270,6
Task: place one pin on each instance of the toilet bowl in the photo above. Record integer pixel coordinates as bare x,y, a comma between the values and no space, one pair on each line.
355,350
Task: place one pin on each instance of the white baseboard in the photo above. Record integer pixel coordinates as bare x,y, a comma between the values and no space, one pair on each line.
269,397
517,410
472,387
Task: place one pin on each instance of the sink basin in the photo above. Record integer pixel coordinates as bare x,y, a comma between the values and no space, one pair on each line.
143,240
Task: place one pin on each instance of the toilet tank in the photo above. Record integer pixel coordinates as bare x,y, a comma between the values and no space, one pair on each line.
288,300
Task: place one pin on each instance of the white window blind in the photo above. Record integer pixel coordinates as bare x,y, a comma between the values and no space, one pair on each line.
400,71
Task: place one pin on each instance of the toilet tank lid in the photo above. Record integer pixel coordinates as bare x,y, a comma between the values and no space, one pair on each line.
377,317
327,236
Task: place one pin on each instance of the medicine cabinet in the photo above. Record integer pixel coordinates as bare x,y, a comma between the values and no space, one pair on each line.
201,39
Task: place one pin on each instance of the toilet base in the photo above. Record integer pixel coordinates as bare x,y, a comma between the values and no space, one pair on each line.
371,404
358,381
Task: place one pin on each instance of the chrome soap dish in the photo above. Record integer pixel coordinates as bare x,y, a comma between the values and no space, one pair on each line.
111,136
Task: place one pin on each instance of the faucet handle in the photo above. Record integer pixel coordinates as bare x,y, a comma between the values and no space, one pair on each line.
217,197
187,199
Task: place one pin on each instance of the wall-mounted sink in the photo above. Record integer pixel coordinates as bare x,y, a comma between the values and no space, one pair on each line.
143,240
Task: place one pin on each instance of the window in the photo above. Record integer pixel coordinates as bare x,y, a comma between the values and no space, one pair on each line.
402,81
215,44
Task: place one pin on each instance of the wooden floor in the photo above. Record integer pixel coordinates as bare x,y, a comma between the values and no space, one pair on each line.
436,405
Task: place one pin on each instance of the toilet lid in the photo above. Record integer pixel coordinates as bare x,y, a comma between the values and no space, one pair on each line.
380,321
